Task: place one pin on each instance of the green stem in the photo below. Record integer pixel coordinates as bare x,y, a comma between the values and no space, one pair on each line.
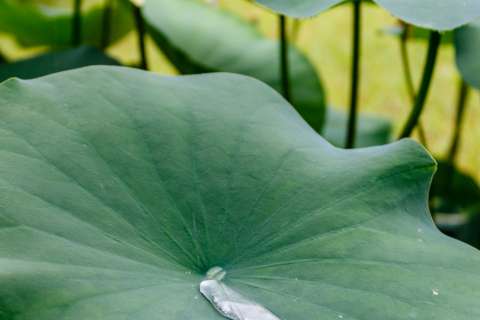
409,78
420,99
355,80
106,24
463,91
296,26
140,25
2,58
406,64
77,23
284,67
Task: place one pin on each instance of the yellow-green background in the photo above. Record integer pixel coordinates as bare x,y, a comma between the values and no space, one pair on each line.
326,40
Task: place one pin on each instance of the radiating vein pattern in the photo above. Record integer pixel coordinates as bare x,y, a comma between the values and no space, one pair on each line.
120,189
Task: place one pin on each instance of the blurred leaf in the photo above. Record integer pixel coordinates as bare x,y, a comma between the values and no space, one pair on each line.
55,62
467,48
121,188
34,24
430,14
198,38
453,190
417,33
470,233
372,130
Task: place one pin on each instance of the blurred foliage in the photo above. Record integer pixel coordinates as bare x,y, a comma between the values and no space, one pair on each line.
49,23
55,62
372,130
217,40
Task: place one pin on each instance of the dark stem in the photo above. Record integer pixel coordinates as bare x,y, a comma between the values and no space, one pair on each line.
296,26
2,58
355,80
284,67
77,23
420,99
463,90
409,78
140,25
106,24
452,154
406,63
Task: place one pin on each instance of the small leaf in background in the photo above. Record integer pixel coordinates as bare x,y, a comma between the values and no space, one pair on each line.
55,62
431,14
121,189
470,232
33,23
452,190
416,33
467,48
199,38
299,8
371,131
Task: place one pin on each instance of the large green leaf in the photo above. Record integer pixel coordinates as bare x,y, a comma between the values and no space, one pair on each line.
371,131
55,62
198,38
467,46
431,14
121,188
34,24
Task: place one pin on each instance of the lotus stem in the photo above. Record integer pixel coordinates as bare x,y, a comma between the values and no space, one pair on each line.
284,65
140,25
463,91
408,77
295,31
355,75
77,23
2,58
420,99
106,24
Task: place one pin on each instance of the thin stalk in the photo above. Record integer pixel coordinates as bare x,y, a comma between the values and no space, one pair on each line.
355,75
284,66
295,30
409,78
106,24
77,23
420,99
140,25
463,91
2,58
406,63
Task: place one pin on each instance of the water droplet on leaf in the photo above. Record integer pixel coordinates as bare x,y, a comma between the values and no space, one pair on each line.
231,304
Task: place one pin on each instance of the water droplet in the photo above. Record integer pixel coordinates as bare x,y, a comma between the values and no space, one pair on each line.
419,230
216,273
231,304
435,292
420,240
340,316
188,272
